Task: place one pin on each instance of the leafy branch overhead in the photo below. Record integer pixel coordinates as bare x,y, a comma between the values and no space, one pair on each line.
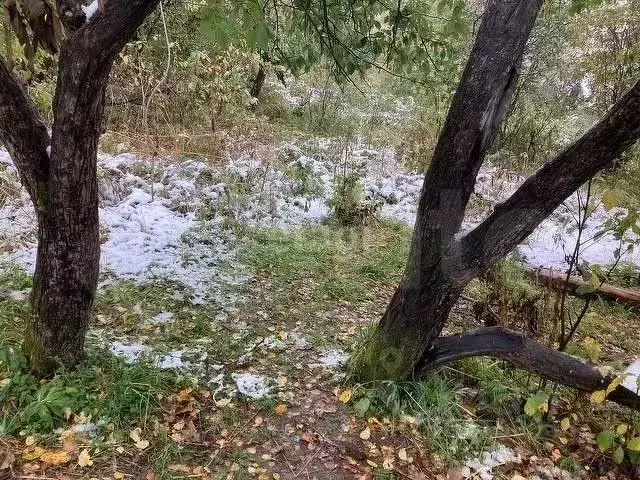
355,36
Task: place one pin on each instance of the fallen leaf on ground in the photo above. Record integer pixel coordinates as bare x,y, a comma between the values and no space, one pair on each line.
32,453
345,396
55,458
84,459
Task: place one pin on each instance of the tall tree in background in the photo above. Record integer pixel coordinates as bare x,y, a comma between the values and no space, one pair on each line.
407,341
59,170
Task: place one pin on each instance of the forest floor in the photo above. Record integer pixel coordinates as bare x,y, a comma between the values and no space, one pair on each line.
226,313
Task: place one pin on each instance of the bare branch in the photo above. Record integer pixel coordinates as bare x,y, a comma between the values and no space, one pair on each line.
24,134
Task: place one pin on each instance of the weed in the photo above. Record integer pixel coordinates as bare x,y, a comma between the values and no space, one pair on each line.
432,406
14,278
102,387
305,182
347,204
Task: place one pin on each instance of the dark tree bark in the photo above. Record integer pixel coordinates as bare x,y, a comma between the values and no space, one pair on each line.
258,82
430,287
533,356
63,184
406,341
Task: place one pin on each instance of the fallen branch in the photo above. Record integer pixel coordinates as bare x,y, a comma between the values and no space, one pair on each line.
556,280
528,354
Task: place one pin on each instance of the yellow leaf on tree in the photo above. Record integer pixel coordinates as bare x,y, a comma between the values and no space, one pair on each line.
610,199
84,459
345,396
565,424
118,476
281,409
634,444
365,434
55,458
598,396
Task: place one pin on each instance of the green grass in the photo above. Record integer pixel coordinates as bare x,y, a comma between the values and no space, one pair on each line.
343,264
431,406
125,308
314,277
14,277
103,387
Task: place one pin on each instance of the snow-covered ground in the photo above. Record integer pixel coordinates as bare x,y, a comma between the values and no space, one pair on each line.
177,227
152,229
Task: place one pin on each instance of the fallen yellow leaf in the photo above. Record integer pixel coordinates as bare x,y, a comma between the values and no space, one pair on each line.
345,396
135,434
223,402
55,458
598,396
142,444
32,453
84,459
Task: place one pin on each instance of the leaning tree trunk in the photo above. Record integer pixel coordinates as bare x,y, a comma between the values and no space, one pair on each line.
60,175
420,307
443,261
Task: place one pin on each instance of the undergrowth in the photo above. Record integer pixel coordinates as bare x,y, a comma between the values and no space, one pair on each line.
102,388
343,264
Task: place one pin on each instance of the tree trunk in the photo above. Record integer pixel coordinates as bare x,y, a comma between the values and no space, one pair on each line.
419,309
62,179
557,280
258,82
442,262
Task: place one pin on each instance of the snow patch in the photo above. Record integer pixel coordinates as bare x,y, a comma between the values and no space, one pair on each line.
90,10
632,380
173,360
162,318
251,385
131,353
16,295
482,467
333,358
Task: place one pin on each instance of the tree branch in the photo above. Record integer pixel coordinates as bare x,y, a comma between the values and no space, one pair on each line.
24,134
528,354
515,219
477,109
86,59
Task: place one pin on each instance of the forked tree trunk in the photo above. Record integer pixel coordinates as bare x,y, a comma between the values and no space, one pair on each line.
60,175
431,285
442,262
